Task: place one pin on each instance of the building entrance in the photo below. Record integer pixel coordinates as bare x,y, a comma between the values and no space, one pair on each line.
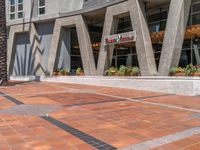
125,54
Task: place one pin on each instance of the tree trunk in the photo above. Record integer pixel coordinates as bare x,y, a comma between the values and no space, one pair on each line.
3,43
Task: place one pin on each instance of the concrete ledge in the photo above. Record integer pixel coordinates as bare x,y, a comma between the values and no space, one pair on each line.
175,85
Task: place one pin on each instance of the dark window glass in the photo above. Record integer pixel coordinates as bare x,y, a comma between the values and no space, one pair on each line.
41,11
196,19
41,3
20,15
12,16
158,16
185,58
20,1
12,9
196,7
12,2
20,7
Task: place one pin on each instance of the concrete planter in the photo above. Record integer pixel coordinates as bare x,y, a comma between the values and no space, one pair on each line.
174,85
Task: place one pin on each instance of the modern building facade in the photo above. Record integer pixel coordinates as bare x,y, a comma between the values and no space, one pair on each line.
155,35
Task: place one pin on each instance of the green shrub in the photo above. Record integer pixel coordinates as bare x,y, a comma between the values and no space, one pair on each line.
180,70
135,71
198,70
172,71
111,71
79,71
122,71
64,72
129,71
190,70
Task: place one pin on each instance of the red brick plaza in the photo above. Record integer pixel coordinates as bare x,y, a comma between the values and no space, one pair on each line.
54,116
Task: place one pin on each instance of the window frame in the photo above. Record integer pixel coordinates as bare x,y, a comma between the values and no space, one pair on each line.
16,9
41,7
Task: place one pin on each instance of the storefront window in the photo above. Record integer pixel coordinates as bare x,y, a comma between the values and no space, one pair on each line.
196,19
76,60
186,54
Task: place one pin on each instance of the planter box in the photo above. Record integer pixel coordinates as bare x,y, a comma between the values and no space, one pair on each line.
180,74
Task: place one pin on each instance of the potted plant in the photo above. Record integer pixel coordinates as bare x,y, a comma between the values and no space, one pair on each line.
180,71
79,72
197,73
172,71
122,71
129,71
64,72
190,70
135,71
56,72
111,71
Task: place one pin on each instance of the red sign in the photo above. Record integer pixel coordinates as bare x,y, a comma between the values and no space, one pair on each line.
120,38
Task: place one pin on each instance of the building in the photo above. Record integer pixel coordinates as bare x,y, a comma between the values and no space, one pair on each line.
44,35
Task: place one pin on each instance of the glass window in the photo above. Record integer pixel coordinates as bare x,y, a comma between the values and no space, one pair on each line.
20,15
12,16
41,2
196,19
158,16
157,21
16,9
196,7
12,9
41,7
12,2
185,58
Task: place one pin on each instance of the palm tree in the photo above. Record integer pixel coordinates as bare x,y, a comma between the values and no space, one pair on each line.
3,43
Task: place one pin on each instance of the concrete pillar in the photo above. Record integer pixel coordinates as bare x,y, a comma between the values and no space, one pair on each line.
143,43
84,43
174,35
85,46
35,47
110,27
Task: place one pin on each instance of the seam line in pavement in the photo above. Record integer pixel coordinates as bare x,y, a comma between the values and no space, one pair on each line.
12,99
156,96
164,140
100,145
152,103
140,101
82,104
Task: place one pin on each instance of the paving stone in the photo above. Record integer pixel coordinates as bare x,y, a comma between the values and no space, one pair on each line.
116,117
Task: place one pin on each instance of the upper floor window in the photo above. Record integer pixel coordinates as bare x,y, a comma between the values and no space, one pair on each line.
41,7
15,9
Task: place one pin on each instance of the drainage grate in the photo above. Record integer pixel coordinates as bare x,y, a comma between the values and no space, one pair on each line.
81,135
12,99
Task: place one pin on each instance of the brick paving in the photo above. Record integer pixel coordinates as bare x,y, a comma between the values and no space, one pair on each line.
91,117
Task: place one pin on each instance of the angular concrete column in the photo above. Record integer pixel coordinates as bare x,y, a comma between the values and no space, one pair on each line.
30,28
110,27
85,46
84,43
174,35
143,42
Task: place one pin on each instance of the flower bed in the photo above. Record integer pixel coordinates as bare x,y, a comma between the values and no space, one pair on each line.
189,70
123,71
65,72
